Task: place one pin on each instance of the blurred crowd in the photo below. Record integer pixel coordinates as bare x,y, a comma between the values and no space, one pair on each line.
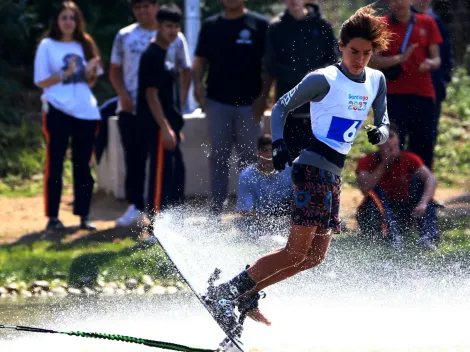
240,56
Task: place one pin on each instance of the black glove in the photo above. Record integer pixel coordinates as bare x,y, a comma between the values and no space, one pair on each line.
373,134
281,155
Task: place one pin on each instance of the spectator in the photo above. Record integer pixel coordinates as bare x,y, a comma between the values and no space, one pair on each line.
159,105
442,76
411,95
66,65
393,200
128,46
230,47
291,54
262,192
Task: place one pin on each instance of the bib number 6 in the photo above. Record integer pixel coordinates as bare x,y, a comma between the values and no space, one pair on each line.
343,130
351,132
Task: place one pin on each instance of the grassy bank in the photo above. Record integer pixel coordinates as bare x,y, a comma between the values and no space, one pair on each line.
83,263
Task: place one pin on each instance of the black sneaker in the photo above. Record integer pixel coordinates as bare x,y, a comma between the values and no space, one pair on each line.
86,224
54,225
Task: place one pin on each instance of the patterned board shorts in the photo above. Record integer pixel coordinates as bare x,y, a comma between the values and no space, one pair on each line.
316,197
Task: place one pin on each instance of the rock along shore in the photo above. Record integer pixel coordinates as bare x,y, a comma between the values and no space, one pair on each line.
144,285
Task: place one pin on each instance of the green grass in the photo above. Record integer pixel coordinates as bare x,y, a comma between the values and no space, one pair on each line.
19,186
110,261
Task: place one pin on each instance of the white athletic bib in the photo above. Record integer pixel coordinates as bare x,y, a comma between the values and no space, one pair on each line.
337,119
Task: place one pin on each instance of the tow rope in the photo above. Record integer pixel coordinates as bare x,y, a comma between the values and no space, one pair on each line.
113,337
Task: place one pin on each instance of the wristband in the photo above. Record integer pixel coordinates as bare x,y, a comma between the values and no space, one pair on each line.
62,76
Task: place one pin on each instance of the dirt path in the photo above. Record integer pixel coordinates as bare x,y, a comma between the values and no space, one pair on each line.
25,215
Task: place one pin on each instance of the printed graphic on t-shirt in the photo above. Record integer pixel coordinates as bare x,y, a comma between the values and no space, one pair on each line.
357,102
139,44
78,75
244,37
170,66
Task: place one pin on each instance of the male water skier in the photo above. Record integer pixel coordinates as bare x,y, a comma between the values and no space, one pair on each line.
340,97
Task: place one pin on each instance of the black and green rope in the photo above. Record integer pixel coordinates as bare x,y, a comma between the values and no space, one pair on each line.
112,337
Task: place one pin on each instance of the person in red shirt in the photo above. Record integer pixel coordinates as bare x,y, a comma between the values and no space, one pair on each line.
394,197
411,96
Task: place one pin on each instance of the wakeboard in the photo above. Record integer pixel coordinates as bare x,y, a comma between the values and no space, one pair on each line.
230,343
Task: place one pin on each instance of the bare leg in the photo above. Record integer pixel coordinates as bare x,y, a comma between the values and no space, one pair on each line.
316,255
294,253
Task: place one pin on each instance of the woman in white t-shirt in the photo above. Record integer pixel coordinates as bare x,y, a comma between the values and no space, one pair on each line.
65,67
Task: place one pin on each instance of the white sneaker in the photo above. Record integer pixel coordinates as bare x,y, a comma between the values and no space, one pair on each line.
130,217
426,243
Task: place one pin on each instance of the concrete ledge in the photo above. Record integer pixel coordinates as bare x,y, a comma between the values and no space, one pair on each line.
196,146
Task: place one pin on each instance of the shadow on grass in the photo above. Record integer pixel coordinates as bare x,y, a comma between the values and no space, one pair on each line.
108,235
51,236
85,269
61,241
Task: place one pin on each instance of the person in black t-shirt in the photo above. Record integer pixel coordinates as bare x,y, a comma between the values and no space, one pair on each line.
231,48
159,104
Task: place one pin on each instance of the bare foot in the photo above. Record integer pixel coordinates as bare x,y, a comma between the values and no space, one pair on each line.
256,315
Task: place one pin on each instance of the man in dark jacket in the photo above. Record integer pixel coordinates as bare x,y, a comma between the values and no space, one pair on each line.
298,41
442,76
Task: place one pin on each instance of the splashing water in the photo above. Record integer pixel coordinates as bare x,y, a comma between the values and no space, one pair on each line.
362,298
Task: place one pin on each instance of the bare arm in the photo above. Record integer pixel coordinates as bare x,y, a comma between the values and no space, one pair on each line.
115,76
91,72
59,77
267,84
430,184
185,82
434,57
199,67
92,81
378,61
368,180
155,106
54,79
260,104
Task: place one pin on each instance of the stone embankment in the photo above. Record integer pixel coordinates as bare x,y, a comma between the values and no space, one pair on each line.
144,285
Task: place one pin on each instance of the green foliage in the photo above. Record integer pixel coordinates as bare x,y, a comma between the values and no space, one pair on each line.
21,149
458,96
453,145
